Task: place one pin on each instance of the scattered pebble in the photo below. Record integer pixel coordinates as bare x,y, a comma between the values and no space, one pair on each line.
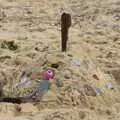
98,90
89,91
77,62
68,89
67,74
110,86
95,76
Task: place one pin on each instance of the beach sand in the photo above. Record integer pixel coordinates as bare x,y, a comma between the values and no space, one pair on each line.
94,40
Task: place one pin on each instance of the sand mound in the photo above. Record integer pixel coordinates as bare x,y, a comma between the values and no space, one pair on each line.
88,72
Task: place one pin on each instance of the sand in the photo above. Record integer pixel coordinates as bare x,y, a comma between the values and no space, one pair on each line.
94,40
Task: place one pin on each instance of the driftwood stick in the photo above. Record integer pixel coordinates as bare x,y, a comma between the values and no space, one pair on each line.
65,24
17,100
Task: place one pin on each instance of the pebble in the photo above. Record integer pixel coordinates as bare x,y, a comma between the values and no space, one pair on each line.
110,86
77,62
89,91
54,65
68,89
98,90
95,77
67,74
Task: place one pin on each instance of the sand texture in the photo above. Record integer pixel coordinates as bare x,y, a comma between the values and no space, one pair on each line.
30,39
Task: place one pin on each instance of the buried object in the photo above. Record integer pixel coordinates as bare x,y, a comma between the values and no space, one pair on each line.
44,84
40,89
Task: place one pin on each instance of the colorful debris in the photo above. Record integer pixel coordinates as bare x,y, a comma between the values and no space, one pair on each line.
110,86
77,62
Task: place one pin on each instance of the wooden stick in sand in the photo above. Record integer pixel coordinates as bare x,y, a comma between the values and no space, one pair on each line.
18,100
65,25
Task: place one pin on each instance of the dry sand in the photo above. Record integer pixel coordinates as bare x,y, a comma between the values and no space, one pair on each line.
94,39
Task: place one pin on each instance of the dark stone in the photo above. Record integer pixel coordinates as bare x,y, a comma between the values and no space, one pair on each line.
3,58
36,48
54,65
70,55
108,112
95,76
9,45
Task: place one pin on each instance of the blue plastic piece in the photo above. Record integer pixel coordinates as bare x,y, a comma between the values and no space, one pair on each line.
43,86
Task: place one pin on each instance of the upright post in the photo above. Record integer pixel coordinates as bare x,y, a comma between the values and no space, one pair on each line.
65,25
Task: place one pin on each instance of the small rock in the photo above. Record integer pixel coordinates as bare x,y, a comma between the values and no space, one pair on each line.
77,62
18,108
70,55
67,74
95,76
68,89
29,12
9,45
36,48
110,86
108,112
89,91
98,90
54,65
